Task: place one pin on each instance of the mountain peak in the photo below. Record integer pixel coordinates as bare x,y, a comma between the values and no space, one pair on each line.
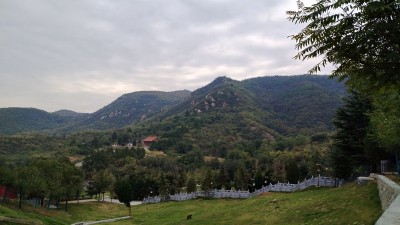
222,80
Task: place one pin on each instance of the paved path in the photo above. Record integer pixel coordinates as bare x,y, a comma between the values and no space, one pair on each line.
115,201
102,221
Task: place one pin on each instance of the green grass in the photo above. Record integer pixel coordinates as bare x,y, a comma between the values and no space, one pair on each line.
88,211
351,204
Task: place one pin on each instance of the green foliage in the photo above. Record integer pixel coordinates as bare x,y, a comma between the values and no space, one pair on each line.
359,37
103,181
385,119
207,183
191,185
16,120
350,204
124,191
127,109
314,206
297,104
47,177
353,146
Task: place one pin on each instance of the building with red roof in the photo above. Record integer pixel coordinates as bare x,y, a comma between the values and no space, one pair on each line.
149,140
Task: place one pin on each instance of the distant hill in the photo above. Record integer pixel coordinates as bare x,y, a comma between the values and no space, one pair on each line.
69,113
287,104
132,108
16,120
127,109
263,107
304,103
227,113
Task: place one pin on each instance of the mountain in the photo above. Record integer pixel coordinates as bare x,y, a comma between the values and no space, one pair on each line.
127,109
69,113
258,108
16,120
287,104
132,108
305,103
227,113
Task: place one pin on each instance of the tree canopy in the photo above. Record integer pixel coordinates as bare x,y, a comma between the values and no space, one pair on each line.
359,37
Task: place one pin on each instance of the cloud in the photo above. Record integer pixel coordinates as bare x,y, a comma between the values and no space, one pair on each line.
54,52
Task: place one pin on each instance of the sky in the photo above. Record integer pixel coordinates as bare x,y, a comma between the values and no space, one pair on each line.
82,55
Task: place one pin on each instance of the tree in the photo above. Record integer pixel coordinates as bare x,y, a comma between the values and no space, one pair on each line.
351,122
385,119
191,185
124,192
102,181
114,137
292,171
258,179
241,178
207,183
164,186
71,182
7,177
359,37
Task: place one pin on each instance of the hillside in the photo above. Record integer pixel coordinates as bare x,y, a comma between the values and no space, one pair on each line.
127,109
229,114
260,108
297,103
16,120
344,205
130,109
69,113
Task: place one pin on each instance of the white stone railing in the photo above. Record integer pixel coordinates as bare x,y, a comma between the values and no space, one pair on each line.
279,187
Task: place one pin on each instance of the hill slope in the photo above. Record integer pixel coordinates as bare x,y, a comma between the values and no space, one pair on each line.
297,103
258,108
69,113
132,108
344,205
127,109
15,120
229,114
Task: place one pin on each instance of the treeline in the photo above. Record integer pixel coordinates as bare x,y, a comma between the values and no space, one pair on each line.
170,174
362,43
42,178
367,129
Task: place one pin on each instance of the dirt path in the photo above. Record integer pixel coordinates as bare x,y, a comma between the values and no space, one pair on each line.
102,221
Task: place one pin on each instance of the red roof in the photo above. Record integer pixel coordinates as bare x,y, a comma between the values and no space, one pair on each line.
150,139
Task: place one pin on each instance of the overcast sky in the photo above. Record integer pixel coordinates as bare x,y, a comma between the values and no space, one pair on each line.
82,55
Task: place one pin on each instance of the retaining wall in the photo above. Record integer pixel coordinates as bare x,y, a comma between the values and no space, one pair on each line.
390,200
388,190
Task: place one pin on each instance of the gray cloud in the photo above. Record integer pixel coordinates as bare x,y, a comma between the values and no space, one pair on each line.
81,55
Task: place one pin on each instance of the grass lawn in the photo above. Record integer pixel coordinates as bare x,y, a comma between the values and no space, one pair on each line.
88,211
351,204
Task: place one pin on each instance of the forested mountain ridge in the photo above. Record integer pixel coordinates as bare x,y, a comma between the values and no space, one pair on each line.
69,113
16,120
226,113
127,109
132,108
289,105
284,105
303,103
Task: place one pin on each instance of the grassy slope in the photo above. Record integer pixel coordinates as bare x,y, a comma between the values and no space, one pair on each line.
351,204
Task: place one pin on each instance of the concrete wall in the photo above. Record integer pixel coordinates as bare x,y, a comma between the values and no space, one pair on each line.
390,200
388,190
